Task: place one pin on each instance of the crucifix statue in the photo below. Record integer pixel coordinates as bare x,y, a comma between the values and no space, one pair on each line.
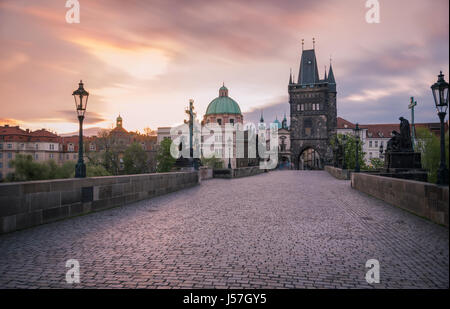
192,116
411,106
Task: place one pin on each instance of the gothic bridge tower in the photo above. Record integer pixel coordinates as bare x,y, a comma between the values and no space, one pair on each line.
313,114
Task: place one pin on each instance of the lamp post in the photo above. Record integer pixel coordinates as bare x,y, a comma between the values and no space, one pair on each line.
440,94
357,168
229,152
344,143
81,98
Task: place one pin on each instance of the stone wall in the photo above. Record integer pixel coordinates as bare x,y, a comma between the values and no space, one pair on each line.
237,172
27,204
205,173
338,173
421,198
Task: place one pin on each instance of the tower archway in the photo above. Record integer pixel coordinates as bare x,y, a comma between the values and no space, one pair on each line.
309,159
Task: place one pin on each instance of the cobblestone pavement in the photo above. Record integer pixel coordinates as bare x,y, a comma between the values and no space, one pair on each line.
284,229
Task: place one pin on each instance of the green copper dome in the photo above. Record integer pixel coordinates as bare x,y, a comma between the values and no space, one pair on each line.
223,104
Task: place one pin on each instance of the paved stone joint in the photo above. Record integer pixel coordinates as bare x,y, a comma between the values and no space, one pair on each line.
289,229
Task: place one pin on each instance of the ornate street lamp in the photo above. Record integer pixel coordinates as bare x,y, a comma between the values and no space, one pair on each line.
229,152
81,98
344,143
357,168
440,94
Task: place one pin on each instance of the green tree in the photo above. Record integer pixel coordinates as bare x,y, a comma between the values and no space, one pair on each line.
26,169
135,160
164,159
212,162
429,145
376,163
350,151
94,170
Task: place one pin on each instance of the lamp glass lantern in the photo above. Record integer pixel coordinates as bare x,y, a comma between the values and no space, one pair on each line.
81,97
440,94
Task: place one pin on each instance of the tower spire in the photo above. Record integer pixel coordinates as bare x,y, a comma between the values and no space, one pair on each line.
290,77
261,120
314,43
325,73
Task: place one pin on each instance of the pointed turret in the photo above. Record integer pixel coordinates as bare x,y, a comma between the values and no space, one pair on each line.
331,81
261,120
284,122
290,78
325,78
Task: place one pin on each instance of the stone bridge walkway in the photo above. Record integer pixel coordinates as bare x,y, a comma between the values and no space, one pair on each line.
284,229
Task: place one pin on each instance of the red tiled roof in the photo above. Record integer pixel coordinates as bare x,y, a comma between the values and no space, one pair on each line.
344,124
384,130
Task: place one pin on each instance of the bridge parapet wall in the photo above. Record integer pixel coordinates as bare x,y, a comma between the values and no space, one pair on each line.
421,198
27,204
338,173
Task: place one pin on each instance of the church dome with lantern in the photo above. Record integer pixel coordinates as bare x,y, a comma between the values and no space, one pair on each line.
223,109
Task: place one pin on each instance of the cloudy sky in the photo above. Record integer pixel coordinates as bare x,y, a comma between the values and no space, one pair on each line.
145,59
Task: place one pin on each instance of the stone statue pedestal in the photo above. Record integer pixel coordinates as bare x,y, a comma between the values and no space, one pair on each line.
402,160
405,165
186,164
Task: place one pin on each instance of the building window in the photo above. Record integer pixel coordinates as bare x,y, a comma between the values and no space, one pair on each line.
36,146
303,107
370,155
376,143
70,147
298,107
1,146
67,157
1,164
36,156
370,144
74,156
9,155
1,155
22,146
52,147
1,176
232,121
219,121
51,156
9,146
92,147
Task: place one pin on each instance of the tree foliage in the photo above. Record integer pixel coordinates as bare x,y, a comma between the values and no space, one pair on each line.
26,169
164,159
429,145
212,162
135,160
376,163
350,151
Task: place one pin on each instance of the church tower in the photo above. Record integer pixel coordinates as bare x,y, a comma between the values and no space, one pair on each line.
313,114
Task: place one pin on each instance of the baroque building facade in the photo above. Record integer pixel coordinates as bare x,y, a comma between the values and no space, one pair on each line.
313,113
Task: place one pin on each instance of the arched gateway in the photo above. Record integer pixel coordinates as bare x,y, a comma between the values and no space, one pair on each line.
309,160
